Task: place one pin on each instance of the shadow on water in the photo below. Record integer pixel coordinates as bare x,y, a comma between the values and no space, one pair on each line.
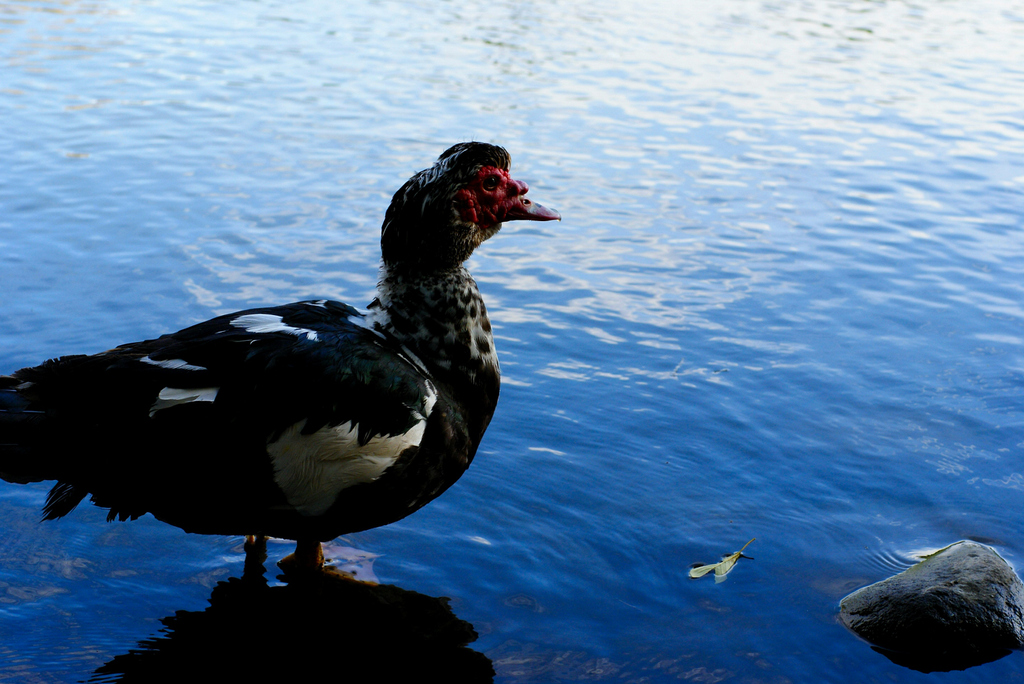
942,662
322,620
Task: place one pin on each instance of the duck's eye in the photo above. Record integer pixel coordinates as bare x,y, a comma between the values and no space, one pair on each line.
491,182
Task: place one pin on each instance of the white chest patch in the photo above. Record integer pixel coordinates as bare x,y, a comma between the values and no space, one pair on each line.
268,323
313,469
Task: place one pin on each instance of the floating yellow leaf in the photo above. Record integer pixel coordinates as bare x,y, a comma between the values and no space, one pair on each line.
722,567
702,570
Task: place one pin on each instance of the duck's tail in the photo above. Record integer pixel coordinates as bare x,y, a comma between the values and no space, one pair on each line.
22,428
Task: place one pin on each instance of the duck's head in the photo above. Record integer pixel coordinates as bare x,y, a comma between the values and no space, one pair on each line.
443,213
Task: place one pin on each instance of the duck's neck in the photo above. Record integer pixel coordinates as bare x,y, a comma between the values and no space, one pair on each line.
441,318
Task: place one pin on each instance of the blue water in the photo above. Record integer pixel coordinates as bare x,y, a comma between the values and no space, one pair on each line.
786,301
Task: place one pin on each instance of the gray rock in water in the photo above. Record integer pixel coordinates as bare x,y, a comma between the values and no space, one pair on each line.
961,606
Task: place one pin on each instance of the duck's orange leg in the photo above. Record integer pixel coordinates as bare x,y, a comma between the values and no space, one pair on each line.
308,555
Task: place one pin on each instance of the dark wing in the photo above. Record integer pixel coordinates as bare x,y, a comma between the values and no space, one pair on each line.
288,405
313,361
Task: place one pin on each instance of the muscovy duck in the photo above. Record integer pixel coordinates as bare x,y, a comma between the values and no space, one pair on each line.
304,421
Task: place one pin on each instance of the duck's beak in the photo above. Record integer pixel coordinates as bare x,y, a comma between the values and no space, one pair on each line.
527,210
519,208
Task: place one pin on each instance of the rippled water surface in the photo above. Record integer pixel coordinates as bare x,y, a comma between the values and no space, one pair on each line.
786,301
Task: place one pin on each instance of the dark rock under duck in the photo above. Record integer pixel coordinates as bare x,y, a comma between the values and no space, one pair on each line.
304,421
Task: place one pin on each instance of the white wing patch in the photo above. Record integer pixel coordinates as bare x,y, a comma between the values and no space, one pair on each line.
267,323
171,364
429,400
313,469
173,396
368,322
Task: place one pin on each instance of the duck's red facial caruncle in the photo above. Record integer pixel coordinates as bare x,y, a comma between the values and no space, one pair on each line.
493,197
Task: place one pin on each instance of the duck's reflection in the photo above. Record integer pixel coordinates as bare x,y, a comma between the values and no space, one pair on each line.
318,624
